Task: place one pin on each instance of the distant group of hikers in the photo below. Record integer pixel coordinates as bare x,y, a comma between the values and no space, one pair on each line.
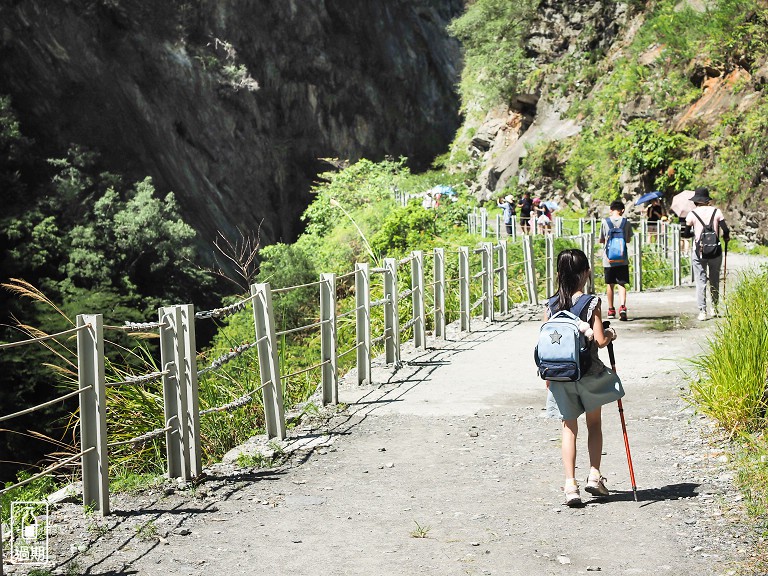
577,381
533,212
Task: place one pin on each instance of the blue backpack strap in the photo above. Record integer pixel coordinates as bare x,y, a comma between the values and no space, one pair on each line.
610,224
623,223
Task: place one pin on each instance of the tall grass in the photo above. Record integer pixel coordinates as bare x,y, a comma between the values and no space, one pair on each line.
732,374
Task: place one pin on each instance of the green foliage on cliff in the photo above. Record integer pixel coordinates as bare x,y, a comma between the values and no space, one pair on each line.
93,244
496,65
629,105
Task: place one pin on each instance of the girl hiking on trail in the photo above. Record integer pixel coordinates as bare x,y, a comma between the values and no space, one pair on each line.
597,386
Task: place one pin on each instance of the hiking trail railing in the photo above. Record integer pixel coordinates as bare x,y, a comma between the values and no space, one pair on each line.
499,274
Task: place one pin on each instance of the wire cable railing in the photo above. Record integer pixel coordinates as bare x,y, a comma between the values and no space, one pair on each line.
480,276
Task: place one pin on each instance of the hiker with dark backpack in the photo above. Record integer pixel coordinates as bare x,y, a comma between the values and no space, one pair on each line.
615,234
584,390
707,222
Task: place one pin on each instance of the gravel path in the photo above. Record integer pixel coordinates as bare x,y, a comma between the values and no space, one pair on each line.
454,446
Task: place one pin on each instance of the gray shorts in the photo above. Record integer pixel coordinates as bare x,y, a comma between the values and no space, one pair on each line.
569,400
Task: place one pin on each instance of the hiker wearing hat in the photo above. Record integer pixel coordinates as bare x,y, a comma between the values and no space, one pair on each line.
526,206
509,208
707,222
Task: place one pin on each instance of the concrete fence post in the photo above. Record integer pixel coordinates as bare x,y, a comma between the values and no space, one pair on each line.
558,227
93,412
530,270
677,265
269,366
329,375
549,250
464,277
637,255
363,322
391,313
503,279
439,292
175,399
189,372
588,247
417,299
488,296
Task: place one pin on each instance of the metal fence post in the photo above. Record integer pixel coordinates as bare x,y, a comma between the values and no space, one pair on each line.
549,250
189,370
488,295
363,322
464,312
93,412
558,226
439,291
503,279
417,299
269,367
530,270
483,222
637,254
513,236
581,226
391,313
498,227
174,393
328,349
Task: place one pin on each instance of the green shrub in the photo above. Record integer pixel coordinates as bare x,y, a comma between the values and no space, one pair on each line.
731,375
492,33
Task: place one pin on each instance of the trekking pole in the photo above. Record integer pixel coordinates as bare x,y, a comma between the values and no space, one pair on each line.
606,324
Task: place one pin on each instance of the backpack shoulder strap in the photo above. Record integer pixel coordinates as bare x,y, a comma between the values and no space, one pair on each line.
609,222
712,220
623,223
698,217
581,304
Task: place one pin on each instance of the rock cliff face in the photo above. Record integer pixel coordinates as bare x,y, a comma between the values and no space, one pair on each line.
230,104
565,36
559,31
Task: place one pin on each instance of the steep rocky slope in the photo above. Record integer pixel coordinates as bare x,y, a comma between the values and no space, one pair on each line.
231,104
712,102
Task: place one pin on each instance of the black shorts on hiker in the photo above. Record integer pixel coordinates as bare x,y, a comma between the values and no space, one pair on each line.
617,275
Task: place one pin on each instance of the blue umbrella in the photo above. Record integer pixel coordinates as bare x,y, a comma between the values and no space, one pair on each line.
551,204
648,197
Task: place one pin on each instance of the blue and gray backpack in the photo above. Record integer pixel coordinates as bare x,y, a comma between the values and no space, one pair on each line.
616,244
562,353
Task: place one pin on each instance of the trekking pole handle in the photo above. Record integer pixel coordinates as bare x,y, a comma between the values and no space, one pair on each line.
607,324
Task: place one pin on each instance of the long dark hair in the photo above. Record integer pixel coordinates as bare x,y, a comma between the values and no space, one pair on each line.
571,264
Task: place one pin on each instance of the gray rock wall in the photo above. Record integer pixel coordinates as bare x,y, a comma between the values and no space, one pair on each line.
167,89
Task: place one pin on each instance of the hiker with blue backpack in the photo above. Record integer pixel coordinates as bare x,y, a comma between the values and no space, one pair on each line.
615,234
706,222
577,380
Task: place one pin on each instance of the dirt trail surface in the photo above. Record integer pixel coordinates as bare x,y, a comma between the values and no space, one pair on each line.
454,446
